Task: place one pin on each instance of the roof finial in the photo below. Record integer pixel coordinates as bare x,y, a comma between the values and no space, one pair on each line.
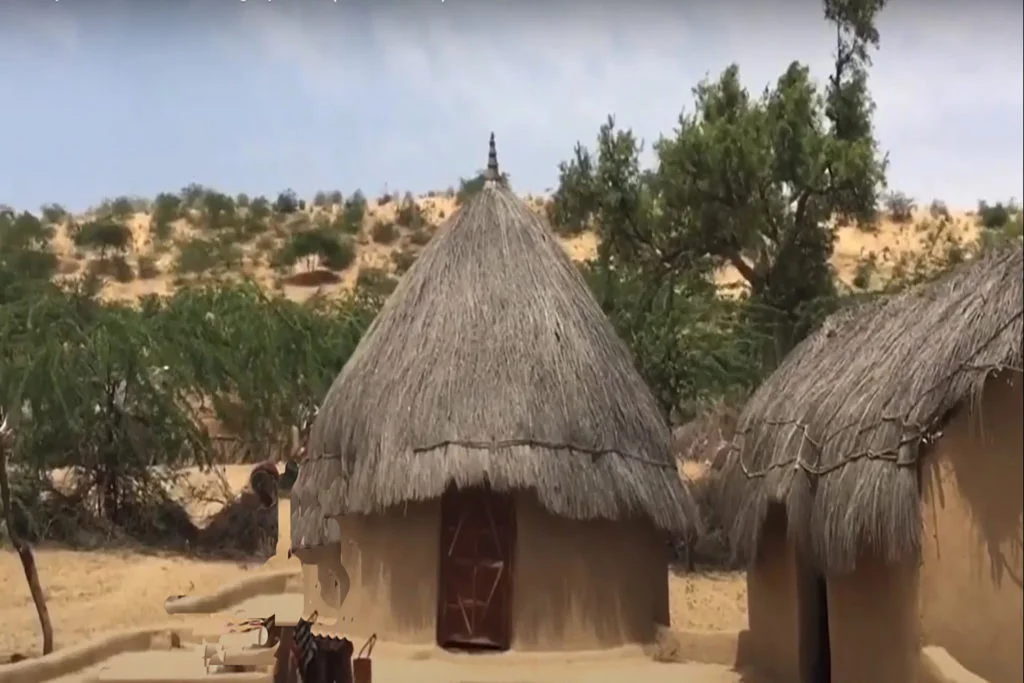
492,172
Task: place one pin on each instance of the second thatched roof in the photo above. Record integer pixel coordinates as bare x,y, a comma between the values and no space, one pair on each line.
835,433
491,362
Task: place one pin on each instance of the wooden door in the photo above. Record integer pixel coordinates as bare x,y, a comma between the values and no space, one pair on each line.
477,543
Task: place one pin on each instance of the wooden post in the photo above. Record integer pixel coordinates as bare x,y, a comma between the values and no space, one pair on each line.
284,668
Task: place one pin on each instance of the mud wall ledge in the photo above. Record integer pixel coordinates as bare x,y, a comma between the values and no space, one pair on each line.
263,583
938,666
701,647
93,652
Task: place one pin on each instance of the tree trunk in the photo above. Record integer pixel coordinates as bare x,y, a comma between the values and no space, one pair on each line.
28,561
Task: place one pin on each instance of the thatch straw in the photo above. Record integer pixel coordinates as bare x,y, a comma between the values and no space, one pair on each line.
491,362
836,432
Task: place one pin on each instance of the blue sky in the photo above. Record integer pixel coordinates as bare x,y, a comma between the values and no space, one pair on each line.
110,97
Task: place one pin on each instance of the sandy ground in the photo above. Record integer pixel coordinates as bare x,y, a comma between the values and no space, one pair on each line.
613,667
91,593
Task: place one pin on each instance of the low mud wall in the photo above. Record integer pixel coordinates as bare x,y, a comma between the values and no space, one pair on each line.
938,666
703,647
91,653
263,583
78,658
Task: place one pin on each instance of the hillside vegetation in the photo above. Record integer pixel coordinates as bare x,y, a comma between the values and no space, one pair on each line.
140,247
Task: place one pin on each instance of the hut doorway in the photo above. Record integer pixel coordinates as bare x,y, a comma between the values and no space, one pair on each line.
815,650
478,534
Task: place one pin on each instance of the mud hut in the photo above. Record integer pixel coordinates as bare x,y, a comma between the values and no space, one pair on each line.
489,469
875,486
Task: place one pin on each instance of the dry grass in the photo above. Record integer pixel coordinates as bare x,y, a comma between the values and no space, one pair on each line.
836,431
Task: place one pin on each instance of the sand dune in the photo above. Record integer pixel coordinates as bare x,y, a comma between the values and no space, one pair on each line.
887,243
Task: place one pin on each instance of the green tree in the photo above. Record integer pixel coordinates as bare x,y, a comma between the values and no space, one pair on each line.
259,209
354,212
95,394
191,195
409,214
54,213
26,253
120,208
24,231
167,208
752,182
287,202
996,216
218,211
104,235
690,345
748,182
900,207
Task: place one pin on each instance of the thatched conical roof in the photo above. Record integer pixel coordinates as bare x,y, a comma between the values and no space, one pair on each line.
835,433
490,362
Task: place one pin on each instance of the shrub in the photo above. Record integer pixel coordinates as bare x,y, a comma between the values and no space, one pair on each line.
996,216
167,208
148,268
260,209
409,213
199,255
420,237
120,208
353,214
287,202
900,207
403,260
862,275
253,225
384,232
939,211
218,211
54,213
375,281
115,267
265,244
191,195
332,252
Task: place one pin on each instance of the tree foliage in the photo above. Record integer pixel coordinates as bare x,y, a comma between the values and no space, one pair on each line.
26,255
104,235
753,183
124,395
